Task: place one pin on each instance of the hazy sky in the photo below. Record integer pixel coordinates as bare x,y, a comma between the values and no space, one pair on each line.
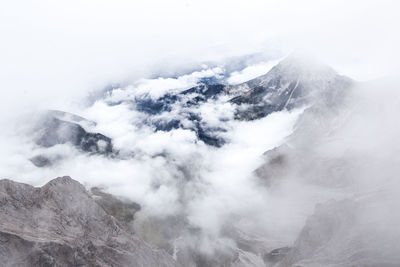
52,51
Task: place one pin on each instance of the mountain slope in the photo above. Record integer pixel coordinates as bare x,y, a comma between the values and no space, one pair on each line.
294,82
59,224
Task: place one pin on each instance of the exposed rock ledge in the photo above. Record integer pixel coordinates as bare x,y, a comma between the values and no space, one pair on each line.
59,224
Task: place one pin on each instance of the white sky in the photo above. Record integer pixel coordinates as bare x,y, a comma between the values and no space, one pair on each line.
54,51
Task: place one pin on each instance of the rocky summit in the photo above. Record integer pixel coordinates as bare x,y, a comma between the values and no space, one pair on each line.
294,82
60,224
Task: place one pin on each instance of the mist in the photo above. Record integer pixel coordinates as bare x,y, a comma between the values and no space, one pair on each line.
54,53
96,58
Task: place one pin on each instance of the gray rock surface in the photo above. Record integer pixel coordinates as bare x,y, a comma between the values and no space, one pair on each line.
59,224
55,127
294,82
54,131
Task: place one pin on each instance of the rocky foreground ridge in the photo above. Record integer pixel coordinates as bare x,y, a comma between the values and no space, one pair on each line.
60,224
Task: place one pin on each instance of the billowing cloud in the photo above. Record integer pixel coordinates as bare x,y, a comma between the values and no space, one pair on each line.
57,55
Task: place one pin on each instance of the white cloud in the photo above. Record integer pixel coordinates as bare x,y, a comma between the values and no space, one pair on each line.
54,52
251,72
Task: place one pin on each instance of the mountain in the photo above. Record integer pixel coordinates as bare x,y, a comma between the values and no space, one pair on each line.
329,152
210,110
60,224
294,82
56,127
181,111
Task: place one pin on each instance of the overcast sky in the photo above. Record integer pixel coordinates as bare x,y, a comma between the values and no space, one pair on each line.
55,51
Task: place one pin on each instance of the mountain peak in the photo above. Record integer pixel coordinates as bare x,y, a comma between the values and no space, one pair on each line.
295,81
299,67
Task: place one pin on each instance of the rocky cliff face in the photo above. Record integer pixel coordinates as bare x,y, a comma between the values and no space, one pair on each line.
59,224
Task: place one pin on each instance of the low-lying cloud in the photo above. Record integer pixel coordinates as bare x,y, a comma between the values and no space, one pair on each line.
62,55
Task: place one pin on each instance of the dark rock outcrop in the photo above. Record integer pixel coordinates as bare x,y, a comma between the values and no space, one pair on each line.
181,111
59,224
41,161
190,97
54,131
56,127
